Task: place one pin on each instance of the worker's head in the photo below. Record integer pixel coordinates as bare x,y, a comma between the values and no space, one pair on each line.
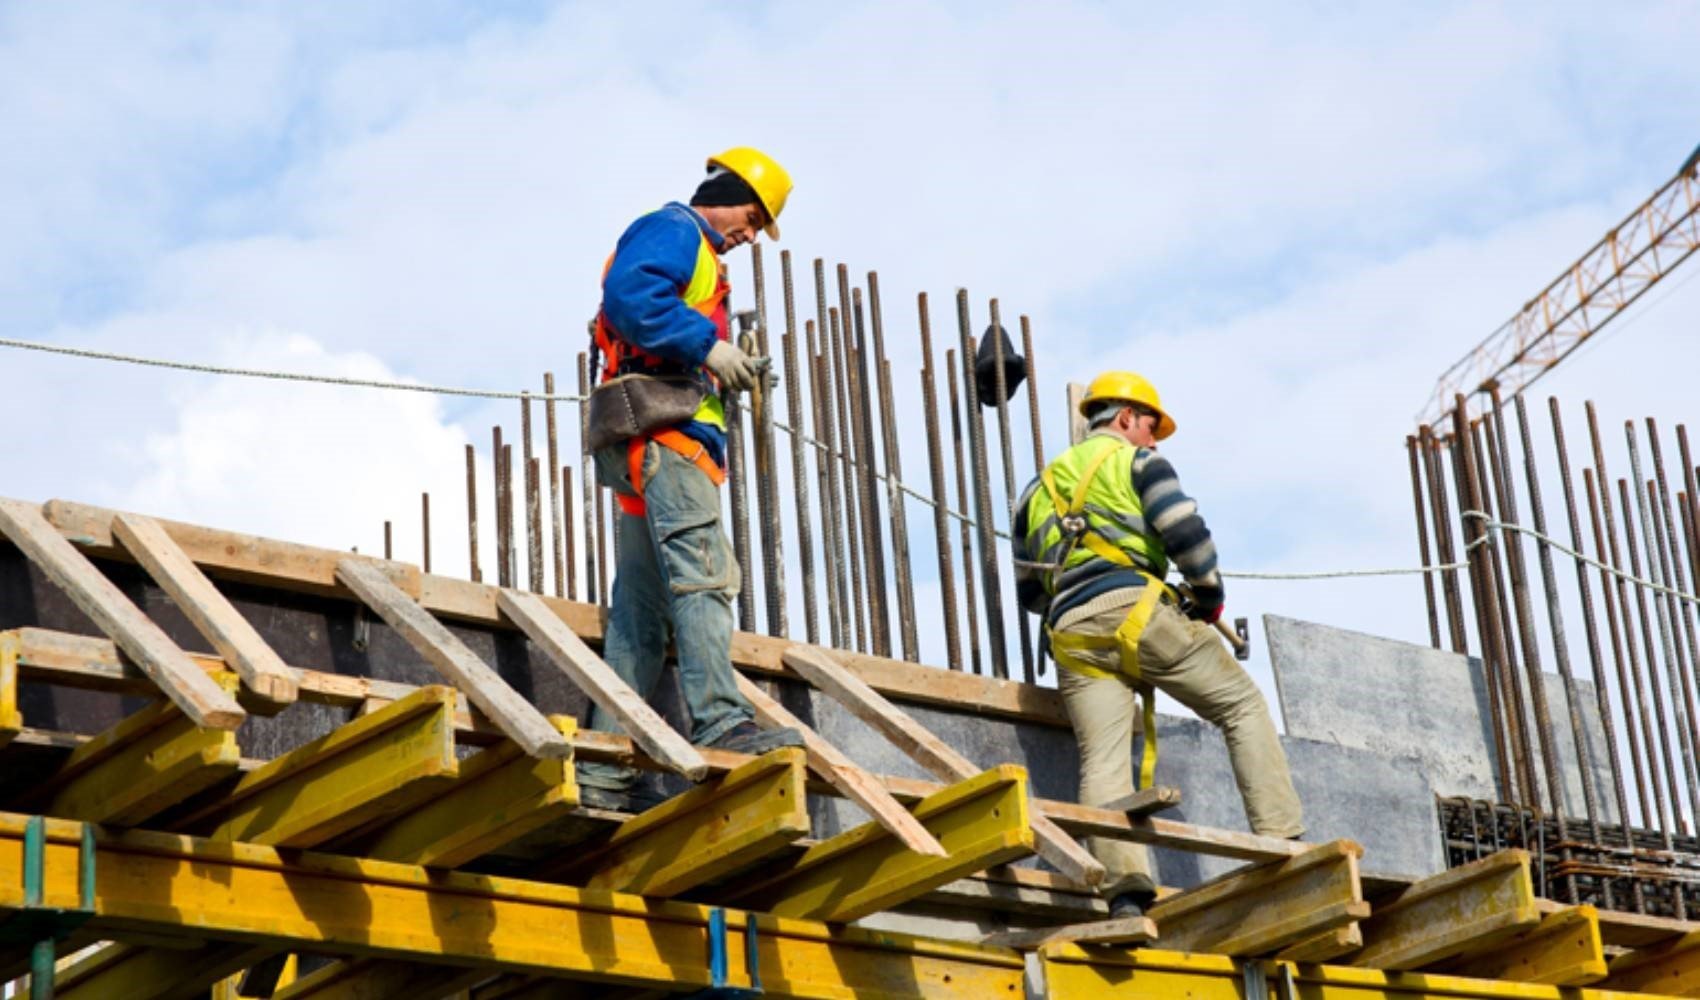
1128,405
743,195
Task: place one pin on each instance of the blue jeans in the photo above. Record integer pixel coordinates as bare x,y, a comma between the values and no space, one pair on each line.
676,580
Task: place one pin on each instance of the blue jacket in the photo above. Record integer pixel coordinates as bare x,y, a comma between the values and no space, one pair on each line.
654,259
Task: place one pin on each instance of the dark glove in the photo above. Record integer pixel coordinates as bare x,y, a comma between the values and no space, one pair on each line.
1208,616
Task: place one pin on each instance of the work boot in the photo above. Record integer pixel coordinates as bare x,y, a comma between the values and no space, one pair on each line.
1131,904
747,737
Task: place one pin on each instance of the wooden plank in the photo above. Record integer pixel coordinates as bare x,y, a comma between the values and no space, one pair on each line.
981,821
499,795
1325,947
11,720
1260,910
140,973
1145,801
140,639
1564,949
1125,932
592,675
826,673
259,666
1030,892
152,759
841,773
1460,910
1633,930
519,719
707,832
370,978
288,566
366,770
1669,969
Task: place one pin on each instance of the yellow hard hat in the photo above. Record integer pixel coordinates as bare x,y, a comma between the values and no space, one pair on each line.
757,169
1128,388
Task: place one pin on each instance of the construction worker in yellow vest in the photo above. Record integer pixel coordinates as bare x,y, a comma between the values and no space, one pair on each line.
658,431
1094,536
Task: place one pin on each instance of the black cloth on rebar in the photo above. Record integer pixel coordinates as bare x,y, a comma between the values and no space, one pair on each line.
723,187
986,368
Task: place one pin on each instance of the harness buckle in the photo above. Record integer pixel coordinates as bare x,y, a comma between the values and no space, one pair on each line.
1074,525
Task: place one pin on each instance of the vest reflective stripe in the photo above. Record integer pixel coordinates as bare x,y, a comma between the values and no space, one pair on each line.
1108,509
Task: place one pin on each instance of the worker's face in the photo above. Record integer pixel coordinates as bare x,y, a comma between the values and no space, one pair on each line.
736,224
1139,426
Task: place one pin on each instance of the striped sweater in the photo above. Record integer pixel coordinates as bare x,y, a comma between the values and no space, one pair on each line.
1168,512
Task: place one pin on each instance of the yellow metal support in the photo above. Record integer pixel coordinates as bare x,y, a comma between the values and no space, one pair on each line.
1452,914
1564,949
153,759
369,978
373,767
1073,973
982,821
1671,969
499,796
1261,909
709,831
161,885
11,720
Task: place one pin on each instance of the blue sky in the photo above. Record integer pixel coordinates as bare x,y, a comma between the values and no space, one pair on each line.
1291,219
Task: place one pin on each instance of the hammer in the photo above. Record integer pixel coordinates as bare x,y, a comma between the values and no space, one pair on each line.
1238,634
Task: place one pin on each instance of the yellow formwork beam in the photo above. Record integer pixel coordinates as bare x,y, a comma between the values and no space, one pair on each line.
499,795
369,978
1073,973
11,720
152,759
982,821
709,831
1671,969
162,885
373,767
141,973
1263,908
1564,949
1456,913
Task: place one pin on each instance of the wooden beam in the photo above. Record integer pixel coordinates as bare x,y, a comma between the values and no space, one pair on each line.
366,770
839,771
826,673
1125,931
288,566
704,834
485,688
1564,949
11,720
592,675
140,639
982,822
369,978
152,759
1325,947
1262,909
141,973
1668,969
259,666
1030,892
499,795
1460,910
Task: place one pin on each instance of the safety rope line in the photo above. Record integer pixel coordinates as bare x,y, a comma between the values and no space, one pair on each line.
364,383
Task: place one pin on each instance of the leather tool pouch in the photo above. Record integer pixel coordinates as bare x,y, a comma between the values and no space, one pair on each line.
625,407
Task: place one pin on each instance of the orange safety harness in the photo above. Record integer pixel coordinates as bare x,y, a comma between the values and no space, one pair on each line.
693,450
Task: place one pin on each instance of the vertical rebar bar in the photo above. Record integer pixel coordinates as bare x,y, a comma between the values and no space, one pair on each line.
1560,652
508,505
1680,744
389,550
739,509
554,484
963,502
864,374
425,530
826,474
500,494
894,482
592,510
836,409
1675,652
856,478
1443,537
569,543
1596,660
941,496
1000,385
1670,561
1511,681
1504,742
799,453
982,496
851,496
766,482
533,511
1422,542
1032,395
476,575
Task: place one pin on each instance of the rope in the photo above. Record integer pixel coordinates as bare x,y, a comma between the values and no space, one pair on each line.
1487,520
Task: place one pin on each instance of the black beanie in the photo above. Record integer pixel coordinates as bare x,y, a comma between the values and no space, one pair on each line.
986,367
723,187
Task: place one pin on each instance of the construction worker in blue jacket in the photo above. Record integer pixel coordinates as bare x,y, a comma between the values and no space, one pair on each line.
665,343
1094,537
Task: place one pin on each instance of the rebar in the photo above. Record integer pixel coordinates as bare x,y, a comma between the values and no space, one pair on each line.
1001,385
740,510
851,504
893,482
856,477
799,454
1511,681
533,504
476,574
963,502
982,496
873,532
389,551
1422,542
1674,650
569,543
826,473
1670,561
836,409
1678,822
766,478
594,585
500,494
1032,395
425,531
507,505
935,466
554,484
1443,536
1504,742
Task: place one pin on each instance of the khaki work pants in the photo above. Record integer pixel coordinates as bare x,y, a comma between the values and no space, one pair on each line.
1187,660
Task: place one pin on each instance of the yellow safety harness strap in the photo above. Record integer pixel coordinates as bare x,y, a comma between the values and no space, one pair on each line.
1064,645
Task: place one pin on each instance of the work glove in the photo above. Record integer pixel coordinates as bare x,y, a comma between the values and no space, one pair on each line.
1208,616
736,370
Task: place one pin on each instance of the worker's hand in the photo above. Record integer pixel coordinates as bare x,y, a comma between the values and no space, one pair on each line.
1208,616
736,370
